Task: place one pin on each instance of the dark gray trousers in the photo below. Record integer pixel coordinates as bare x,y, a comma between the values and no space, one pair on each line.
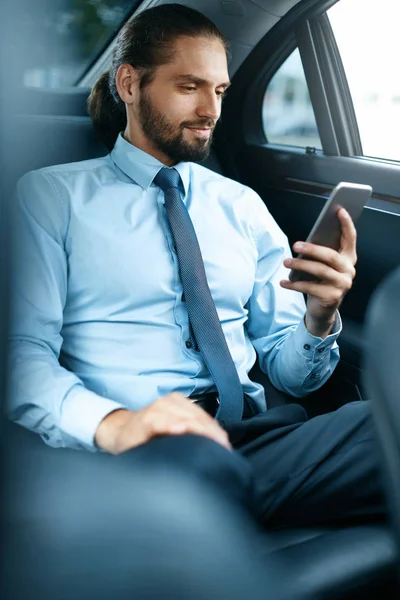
288,470
71,515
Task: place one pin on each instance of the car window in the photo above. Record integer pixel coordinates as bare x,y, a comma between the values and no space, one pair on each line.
367,37
76,31
288,116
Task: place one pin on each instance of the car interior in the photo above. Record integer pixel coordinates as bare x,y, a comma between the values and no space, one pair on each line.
382,381
351,560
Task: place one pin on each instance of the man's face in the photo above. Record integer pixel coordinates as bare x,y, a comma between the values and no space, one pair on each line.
179,108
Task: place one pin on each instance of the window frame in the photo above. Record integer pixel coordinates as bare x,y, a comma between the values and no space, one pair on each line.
346,90
293,47
326,81
328,88
285,165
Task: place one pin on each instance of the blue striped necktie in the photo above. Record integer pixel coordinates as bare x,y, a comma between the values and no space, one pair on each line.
203,316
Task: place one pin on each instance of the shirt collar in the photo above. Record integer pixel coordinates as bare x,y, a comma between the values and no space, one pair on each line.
142,167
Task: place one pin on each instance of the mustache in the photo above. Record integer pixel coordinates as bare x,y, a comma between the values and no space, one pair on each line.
200,124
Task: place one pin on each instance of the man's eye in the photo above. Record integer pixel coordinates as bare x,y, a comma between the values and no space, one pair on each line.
221,94
189,88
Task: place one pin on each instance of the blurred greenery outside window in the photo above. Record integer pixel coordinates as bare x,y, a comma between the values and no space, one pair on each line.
75,32
287,113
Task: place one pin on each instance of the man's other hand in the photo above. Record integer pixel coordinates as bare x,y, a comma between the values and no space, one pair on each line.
173,414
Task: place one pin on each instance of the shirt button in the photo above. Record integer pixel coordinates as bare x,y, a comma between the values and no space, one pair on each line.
188,344
321,350
307,347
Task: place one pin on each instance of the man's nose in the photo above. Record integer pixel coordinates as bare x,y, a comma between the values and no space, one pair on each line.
210,107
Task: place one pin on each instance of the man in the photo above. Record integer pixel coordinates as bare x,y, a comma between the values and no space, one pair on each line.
110,271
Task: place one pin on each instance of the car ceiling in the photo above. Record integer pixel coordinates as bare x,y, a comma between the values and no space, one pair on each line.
243,23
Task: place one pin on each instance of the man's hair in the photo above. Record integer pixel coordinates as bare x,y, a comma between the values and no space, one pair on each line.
146,42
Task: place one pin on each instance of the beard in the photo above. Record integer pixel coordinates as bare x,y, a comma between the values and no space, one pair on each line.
169,139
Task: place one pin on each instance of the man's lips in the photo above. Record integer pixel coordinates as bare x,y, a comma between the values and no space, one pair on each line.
201,131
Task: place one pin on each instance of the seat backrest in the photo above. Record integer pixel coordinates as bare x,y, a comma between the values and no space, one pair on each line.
45,140
382,382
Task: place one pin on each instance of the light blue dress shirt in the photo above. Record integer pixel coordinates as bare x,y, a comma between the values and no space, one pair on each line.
98,320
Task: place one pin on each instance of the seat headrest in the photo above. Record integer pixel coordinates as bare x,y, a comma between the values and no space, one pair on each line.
59,101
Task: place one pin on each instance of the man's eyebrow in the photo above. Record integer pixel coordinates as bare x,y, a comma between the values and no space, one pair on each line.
198,80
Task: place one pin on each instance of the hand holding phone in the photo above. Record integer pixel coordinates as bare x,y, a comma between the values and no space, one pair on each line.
327,229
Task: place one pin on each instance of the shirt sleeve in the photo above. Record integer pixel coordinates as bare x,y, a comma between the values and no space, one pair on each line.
295,361
42,395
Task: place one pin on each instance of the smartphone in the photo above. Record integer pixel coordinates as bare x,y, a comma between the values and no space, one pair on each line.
327,230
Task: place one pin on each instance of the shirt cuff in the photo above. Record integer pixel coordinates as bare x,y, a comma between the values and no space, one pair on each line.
81,414
310,346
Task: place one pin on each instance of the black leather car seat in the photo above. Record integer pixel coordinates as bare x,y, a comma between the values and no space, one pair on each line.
351,562
382,380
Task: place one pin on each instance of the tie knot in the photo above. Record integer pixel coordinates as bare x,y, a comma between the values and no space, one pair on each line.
167,178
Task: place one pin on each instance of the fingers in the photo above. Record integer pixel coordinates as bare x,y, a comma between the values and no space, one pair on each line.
334,270
335,260
338,260
349,236
167,424
329,295
216,434
176,415
182,407
323,272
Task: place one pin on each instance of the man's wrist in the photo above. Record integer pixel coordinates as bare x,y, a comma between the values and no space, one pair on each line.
319,327
107,431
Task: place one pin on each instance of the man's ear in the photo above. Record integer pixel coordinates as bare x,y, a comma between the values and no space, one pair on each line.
127,82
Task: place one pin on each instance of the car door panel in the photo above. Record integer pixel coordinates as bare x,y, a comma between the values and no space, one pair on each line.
295,211
294,187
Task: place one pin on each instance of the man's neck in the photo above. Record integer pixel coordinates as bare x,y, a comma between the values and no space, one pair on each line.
139,141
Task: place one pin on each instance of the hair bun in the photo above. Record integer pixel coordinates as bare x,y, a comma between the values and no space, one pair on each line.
108,117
